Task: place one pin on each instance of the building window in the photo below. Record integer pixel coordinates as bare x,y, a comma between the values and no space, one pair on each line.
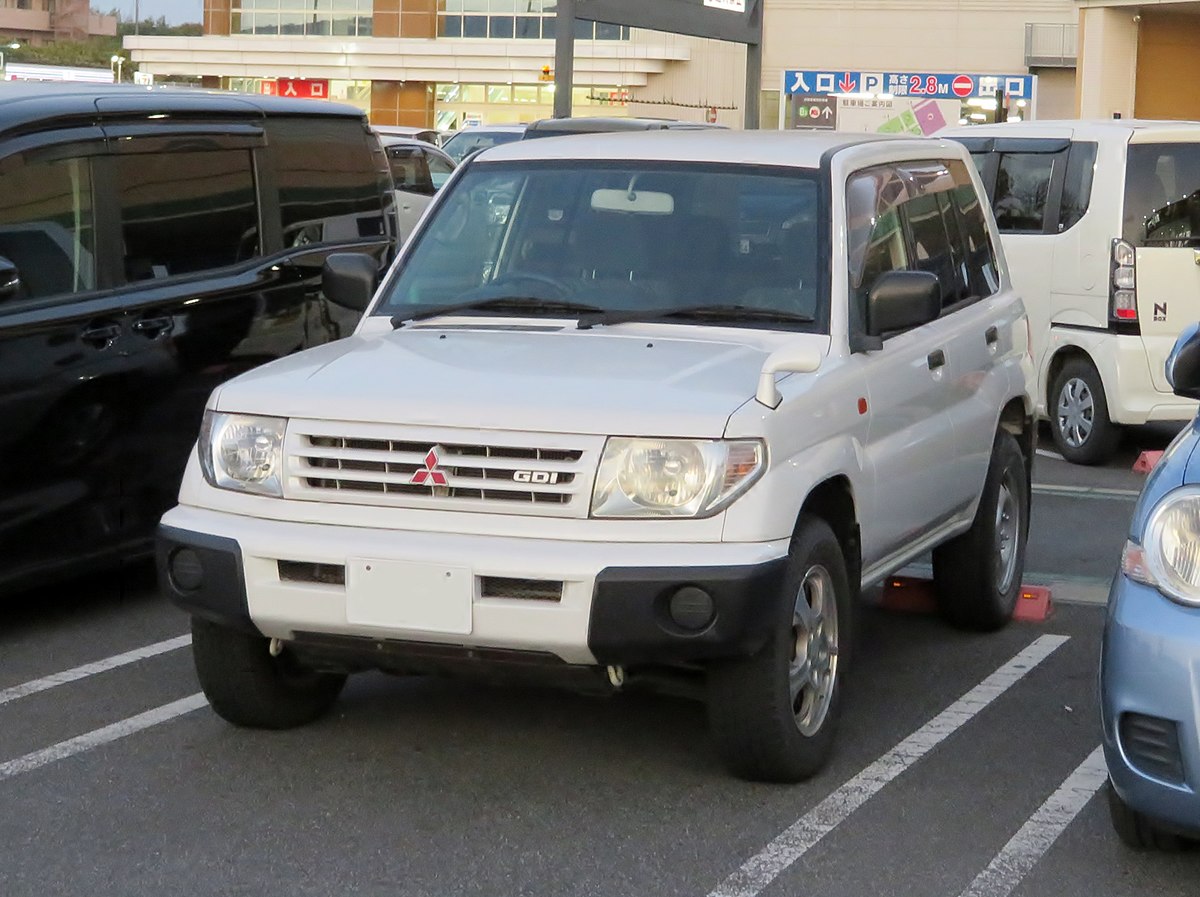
293,18
534,19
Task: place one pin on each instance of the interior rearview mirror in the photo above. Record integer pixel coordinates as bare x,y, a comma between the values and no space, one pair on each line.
348,279
899,300
1183,364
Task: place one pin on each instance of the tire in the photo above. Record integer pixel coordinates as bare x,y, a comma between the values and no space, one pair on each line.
1079,421
1134,829
977,576
248,687
764,732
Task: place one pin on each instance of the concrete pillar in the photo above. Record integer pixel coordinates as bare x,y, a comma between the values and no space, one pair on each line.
1107,61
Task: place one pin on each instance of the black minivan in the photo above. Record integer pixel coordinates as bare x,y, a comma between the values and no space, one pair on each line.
154,243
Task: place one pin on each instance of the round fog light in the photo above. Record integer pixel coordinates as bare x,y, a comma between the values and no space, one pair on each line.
691,608
187,572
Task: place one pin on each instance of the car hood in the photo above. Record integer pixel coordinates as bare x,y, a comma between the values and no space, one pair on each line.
632,379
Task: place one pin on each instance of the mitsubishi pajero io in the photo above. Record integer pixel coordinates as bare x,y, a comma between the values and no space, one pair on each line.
629,408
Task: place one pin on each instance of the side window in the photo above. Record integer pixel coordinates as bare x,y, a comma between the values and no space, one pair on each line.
410,170
1077,185
439,169
47,232
982,272
1022,187
936,242
875,233
329,188
184,212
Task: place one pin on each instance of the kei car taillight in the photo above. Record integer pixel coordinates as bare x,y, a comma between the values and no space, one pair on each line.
1122,284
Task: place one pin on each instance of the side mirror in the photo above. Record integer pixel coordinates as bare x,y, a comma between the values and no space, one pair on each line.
10,280
349,279
1183,364
899,300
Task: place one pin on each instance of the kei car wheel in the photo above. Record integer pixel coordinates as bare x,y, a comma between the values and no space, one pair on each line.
977,576
247,686
1079,421
1135,829
774,715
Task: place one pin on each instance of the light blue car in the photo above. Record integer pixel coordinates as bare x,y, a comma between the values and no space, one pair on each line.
1150,662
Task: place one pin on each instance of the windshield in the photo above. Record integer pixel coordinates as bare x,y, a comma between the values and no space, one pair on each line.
466,142
1162,194
625,237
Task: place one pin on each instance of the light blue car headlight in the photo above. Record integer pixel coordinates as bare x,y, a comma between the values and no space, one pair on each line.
1169,556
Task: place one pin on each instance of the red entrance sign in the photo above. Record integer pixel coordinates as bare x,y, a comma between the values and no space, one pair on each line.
306,88
962,86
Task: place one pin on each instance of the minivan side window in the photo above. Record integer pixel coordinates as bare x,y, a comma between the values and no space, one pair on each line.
1022,188
1162,194
47,232
329,187
173,224
1077,184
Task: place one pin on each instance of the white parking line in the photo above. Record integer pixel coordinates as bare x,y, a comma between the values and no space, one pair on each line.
769,863
98,737
1041,830
91,669
1046,453
1093,492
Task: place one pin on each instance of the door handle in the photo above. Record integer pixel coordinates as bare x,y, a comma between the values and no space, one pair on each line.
101,336
153,328
936,359
992,335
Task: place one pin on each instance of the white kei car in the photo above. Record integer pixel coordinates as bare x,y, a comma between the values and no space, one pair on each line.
629,408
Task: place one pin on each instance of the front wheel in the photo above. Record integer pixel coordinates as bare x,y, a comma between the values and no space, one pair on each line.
977,576
774,715
1079,422
248,686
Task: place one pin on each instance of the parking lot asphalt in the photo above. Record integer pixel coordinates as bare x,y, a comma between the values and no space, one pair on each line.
966,765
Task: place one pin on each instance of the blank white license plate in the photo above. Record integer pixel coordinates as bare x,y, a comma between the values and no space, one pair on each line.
405,595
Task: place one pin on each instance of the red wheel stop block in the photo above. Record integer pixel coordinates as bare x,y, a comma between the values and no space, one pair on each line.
1033,604
1146,461
909,595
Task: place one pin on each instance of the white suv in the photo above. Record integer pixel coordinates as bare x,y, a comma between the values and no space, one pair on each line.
629,408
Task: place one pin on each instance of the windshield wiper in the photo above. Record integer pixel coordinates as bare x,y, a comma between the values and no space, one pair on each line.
501,303
702,312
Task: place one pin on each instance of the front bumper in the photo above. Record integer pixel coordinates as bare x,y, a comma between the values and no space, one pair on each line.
1149,695
613,607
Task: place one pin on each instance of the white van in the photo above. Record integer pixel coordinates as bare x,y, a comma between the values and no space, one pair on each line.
1101,227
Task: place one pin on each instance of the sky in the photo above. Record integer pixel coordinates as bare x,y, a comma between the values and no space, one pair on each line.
177,12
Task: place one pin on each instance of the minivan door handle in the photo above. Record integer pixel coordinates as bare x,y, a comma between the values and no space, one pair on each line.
936,359
992,335
154,327
100,336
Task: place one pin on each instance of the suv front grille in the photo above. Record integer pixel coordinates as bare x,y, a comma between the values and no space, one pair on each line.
534,476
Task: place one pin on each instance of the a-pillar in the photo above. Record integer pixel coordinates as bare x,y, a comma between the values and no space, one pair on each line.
1107,75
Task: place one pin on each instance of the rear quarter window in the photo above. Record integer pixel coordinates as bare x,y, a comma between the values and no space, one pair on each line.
1162,194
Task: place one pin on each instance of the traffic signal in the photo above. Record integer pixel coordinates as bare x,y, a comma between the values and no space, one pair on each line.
547,74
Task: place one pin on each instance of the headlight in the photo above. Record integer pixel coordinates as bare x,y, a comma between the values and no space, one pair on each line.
674,477
241,452
1169,556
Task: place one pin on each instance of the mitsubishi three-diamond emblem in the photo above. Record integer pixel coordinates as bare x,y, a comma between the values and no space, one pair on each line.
429,474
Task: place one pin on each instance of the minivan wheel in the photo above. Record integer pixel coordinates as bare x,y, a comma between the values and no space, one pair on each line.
977,576
774,715
1079,421
1135,829
247,686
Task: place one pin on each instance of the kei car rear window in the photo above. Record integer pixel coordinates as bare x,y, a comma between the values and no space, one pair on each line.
1162,194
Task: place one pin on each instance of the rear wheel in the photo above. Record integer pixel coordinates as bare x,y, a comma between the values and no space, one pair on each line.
977,575
1135,829
248,686
774,715
1079,421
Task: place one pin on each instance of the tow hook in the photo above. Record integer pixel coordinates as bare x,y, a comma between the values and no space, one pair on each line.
275,647
616,676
